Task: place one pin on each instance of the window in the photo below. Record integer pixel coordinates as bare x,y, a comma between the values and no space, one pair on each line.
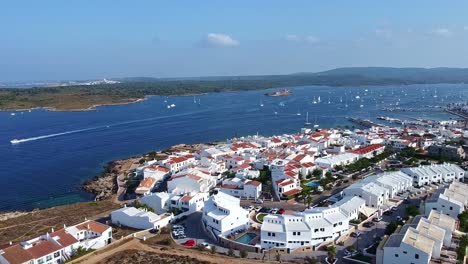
40,261
48,258
451,207
416,256
396,255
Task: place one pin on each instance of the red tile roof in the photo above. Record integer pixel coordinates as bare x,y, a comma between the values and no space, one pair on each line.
229,186
16,255
43,248
286,182
254,183
186,198
93,226
63,238
300,157
291,192
367,149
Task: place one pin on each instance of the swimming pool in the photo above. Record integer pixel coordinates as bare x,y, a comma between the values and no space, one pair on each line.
312,184
246,238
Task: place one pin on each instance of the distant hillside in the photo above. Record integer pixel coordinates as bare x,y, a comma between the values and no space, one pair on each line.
412,75
77,97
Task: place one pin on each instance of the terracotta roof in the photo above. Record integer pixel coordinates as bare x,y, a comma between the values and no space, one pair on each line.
178,159
291,192
308,164
186,198
275,140
290,173
16,255
93,226
286,183
147,183
254,183
367,149
43,248
63,238
159,168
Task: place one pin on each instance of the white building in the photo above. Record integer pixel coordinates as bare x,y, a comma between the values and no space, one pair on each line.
242,188
158,201
222,215
337,160
409,247
351,206
395,182
139,218
156,171
306,229
188,181
374,195
436,173
58,246
449,202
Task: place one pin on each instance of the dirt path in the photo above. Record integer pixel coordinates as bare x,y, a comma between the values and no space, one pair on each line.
135,244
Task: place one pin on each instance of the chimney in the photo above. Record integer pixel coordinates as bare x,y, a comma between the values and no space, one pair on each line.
52,230
11,243
64,226
88,226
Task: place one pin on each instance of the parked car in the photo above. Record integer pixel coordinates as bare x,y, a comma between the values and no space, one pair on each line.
394,208
355,234
368,224
189,243
259,201
154,231
399,218
281,211
250,208
377,219
273,211
388,212
258,208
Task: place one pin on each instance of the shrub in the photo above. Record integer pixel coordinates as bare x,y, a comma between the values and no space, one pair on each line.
230,252
243,254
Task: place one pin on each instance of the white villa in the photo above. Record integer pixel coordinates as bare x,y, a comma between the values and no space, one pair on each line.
58,246
139,218
424,175
222,215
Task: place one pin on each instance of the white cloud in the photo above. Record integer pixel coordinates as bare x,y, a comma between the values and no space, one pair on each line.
293,38
302,39
442,32
216,39
383,33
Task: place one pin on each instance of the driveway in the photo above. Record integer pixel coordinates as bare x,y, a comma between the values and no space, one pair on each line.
194,229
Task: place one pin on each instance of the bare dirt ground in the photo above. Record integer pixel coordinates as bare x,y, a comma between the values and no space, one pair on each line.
37,222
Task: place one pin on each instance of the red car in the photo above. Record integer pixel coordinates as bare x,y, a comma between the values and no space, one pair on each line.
281,211
189,243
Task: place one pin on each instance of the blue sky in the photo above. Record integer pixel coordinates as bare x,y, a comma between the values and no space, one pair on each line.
86,39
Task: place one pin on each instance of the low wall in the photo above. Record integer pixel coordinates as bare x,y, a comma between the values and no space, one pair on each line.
224,242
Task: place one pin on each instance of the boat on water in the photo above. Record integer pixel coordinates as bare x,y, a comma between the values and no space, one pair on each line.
284,92
15,141
314,101
172,105
307,123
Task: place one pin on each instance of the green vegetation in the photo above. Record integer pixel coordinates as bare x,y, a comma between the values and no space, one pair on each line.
243,254
359,165
130,89
331,252
392,227
260,217
463,217
412,210
310,260
462,247
79,252
138,204
230,252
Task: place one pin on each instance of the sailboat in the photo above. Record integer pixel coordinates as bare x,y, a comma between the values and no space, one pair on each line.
341,99
165,99
298,112
314,101
261,103
318,100
307,123
329,100
315,124
194,100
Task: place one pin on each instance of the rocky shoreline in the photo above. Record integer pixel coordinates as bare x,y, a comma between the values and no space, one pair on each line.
105,185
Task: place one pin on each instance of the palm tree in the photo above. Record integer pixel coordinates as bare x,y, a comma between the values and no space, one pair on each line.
331,252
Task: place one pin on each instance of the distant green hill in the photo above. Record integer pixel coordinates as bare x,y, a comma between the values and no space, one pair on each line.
130,89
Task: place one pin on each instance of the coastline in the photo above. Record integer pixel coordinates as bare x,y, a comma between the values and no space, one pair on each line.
91,108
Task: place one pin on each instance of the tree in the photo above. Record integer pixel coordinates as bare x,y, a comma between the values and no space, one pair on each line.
317,173
391,228
243,254
329,175
230,252
331,252
213,249
463,217
412,210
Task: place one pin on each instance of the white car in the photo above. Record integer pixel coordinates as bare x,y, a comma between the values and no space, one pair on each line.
250,208
258,208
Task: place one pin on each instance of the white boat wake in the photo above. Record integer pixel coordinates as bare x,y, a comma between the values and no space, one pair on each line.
18,141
